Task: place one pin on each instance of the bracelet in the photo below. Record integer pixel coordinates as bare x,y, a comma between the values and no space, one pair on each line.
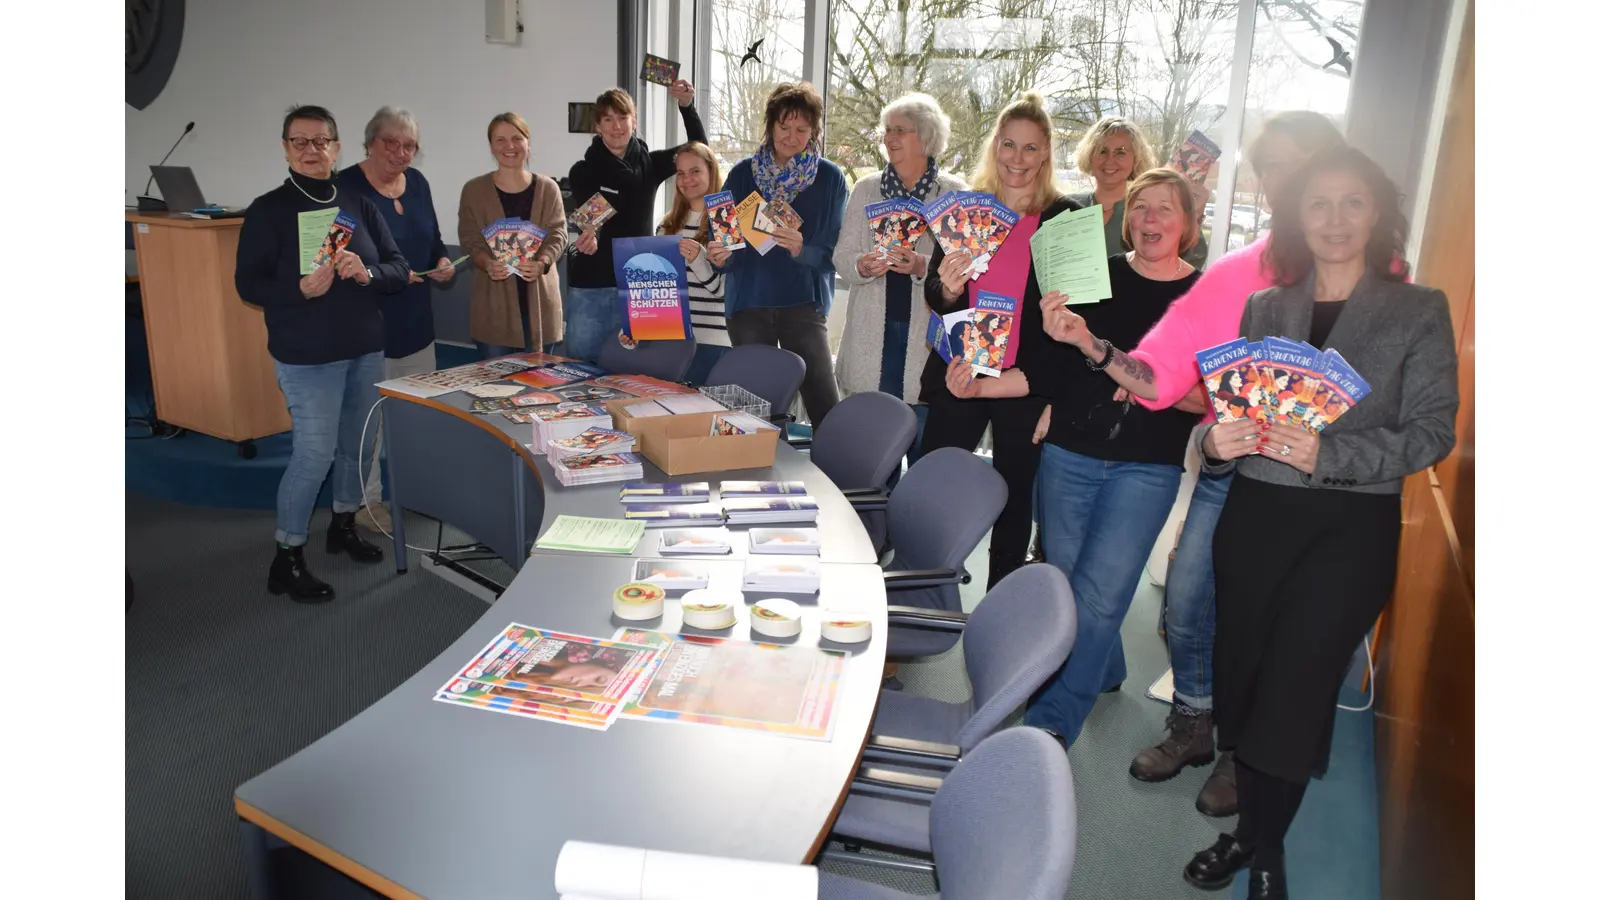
1105,361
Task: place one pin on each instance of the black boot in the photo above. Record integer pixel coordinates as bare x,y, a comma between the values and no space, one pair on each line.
1213,868
343,538
1267,883
289,575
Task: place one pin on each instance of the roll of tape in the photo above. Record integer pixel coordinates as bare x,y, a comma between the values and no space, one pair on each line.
846,630
776,617
637,601
710,610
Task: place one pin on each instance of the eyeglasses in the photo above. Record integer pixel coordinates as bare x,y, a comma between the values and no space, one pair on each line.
321,142
898,131
395,144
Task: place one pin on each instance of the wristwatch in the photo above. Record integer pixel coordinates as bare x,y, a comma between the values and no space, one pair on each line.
371,275
1104,361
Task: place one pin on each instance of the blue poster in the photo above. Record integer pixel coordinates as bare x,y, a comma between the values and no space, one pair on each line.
652,287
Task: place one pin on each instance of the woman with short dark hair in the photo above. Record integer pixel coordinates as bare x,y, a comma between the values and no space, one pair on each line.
783,298
325,334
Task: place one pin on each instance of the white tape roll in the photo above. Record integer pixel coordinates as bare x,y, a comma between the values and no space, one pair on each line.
776,617
638,601
710,610
846,630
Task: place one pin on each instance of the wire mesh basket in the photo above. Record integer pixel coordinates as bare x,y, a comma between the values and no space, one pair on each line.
738,399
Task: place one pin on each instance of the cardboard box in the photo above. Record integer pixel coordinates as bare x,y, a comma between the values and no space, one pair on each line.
681,445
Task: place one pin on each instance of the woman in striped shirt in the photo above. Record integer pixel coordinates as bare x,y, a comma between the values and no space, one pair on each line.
698,175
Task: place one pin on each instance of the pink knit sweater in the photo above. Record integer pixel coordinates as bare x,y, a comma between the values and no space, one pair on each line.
1206,316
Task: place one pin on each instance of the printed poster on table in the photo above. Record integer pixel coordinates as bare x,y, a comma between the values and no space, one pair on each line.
652,288
778,688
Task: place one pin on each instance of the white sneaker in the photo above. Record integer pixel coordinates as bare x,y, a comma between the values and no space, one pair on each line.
375,518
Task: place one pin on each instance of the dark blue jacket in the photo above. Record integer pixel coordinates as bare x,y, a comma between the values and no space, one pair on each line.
753,281
408,316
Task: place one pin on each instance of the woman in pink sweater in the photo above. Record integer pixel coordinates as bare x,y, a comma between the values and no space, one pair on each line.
1160,372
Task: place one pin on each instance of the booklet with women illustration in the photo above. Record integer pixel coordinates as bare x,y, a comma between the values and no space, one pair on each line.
947,218
1228,371
983,335
336,231
722,213
1296,371
896,224
1342,388
1194,159
1287,381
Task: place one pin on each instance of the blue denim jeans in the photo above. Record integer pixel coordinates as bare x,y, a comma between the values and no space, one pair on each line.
892,376
1100,521
328,405
592,316
1192,594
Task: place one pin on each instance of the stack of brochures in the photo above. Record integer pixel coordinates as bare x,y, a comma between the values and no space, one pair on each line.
596,468
590,441
1283,381
764,510
565,420
674,515
679,404
658,492
737,490
792,575
695,542
739,423
786,541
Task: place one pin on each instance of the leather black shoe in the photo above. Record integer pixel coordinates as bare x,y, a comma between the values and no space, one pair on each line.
1213,868
1267,884
289,575
343,538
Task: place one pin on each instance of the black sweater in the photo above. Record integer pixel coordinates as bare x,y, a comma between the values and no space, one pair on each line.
343,323
628,182
1083,414
1030,335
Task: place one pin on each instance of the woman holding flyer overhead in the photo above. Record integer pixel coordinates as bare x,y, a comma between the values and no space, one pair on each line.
513,308
624,172
325,334
1161,372
698,175
1017,169
1110,470
1327,503
780,289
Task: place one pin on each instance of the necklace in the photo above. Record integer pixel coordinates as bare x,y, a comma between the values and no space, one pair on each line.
1135,260
311,198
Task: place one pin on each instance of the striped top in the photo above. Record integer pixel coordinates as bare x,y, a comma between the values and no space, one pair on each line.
706,309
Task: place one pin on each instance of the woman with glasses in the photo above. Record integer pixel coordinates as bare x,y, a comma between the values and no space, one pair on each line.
1114,153
325,334
513,308
1110,470
405,201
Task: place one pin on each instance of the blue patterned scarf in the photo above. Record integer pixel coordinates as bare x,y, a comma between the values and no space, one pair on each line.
785,182
894,189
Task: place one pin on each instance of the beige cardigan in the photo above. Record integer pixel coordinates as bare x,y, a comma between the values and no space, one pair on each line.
496,317
861,352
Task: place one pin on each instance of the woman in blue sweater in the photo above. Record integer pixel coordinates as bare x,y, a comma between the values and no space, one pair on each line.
783,297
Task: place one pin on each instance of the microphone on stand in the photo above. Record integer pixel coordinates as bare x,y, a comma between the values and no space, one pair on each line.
152,204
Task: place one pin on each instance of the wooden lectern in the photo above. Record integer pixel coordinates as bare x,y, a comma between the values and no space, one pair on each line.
208,348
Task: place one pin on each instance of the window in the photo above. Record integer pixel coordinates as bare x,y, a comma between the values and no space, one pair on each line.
739,88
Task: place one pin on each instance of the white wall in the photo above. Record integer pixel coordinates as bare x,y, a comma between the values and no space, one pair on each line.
243,63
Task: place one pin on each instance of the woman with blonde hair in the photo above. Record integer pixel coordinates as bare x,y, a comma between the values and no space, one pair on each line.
1018,169
1114,152
521,308
698,175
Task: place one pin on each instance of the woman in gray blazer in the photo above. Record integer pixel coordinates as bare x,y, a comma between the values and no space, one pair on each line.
1307,544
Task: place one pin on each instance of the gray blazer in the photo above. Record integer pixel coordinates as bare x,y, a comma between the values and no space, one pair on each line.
1398,337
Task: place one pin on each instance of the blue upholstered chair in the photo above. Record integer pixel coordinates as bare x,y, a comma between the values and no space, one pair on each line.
858,447
771,373
1003,823
666,360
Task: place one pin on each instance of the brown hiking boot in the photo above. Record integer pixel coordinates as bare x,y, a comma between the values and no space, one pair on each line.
1188,743
1220,796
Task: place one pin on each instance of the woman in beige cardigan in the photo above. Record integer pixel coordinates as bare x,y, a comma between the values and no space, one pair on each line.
521,308
885,344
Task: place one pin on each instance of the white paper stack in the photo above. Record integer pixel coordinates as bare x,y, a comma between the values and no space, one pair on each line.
587,871
764,510
785,541
672,574
783,575
679,404
596,468
695,542
590,441
646,409
554,423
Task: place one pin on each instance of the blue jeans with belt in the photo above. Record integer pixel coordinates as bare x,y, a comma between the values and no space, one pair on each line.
1192,594
328,405
592,316
1100,520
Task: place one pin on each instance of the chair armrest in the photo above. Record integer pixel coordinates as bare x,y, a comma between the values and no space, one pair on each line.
913,579
935,619
900,784
887,748
867,499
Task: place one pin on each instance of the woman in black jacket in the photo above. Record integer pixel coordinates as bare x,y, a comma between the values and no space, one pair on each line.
325,334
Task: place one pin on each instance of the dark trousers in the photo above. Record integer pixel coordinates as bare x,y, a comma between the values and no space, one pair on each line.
1301,575
960,423
803,331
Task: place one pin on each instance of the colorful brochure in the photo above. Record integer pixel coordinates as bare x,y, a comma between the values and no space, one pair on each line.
1229,373
994,318
335,237
1344,388
659,70
1195,158
896,224
557,375
525,241
722,213
1296,373
772,214
745,214
592,214
652,288
654,492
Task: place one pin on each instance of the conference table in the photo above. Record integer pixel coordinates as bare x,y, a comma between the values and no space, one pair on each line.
418,798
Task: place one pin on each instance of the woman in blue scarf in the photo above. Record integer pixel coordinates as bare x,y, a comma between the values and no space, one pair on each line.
783,296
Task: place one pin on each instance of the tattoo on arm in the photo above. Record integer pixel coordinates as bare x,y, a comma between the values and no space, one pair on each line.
1137,369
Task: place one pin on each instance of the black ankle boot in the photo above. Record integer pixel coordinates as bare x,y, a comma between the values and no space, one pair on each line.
343,538
1268,884
1213,868
289,575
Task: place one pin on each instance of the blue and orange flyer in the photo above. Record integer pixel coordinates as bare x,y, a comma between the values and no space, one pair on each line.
722,214
896,224
1228,371
652,288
